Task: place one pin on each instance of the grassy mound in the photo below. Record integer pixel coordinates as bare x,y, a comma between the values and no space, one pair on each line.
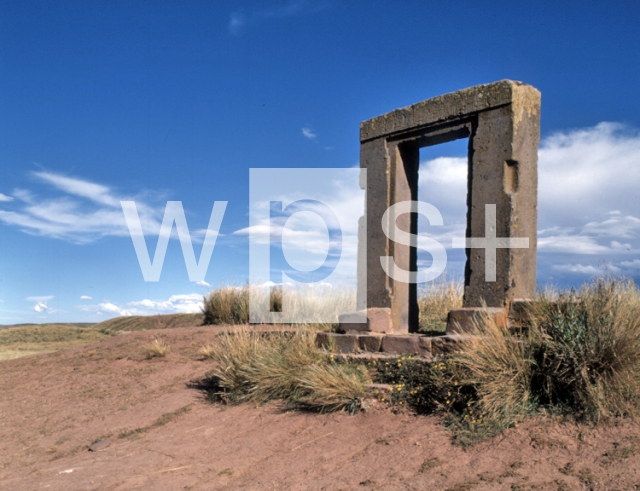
144,323
45,338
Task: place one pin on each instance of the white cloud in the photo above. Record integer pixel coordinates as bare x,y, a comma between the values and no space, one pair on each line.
41,303
203,284
189,303
572,244
82,212
78,187
586,173
110,308
176,304
23,195
584,269
4,197
308,133
41,307
635,264
85,297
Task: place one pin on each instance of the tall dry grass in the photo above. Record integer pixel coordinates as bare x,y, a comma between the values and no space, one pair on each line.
229,305
579,354
435,301
586,349
226,305
259,367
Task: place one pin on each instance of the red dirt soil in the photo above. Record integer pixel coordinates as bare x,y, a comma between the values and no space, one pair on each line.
54,406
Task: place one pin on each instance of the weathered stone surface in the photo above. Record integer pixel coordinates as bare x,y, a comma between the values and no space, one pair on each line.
439,109
425,344
442,345
371,342
353,321
502,122
462,320
376,320
406,345
380,320
342,343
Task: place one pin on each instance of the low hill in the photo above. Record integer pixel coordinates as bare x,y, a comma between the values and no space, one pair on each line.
144,323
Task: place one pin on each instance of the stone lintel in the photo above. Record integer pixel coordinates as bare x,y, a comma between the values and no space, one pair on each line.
445,107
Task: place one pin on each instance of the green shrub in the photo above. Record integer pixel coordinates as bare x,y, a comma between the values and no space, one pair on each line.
579,354
586,350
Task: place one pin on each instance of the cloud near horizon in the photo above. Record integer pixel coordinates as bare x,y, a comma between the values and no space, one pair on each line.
176,304
587,197
41,305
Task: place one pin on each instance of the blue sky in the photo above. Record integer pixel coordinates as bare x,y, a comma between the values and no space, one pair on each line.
157,101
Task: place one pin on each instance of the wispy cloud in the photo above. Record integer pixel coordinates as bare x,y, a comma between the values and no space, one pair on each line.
309,133
203,284
4,197
583,269
85,297
237,21
76,210
241,19
588,172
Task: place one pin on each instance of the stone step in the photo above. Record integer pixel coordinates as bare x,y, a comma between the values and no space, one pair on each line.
419,345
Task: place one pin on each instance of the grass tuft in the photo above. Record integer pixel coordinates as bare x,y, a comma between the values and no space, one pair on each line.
259,367
158,349
586,350
226,305
435,302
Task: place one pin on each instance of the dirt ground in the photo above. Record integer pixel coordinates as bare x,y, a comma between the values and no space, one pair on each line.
165,436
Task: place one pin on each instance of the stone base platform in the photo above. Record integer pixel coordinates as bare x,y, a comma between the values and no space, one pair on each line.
426,347
371,332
